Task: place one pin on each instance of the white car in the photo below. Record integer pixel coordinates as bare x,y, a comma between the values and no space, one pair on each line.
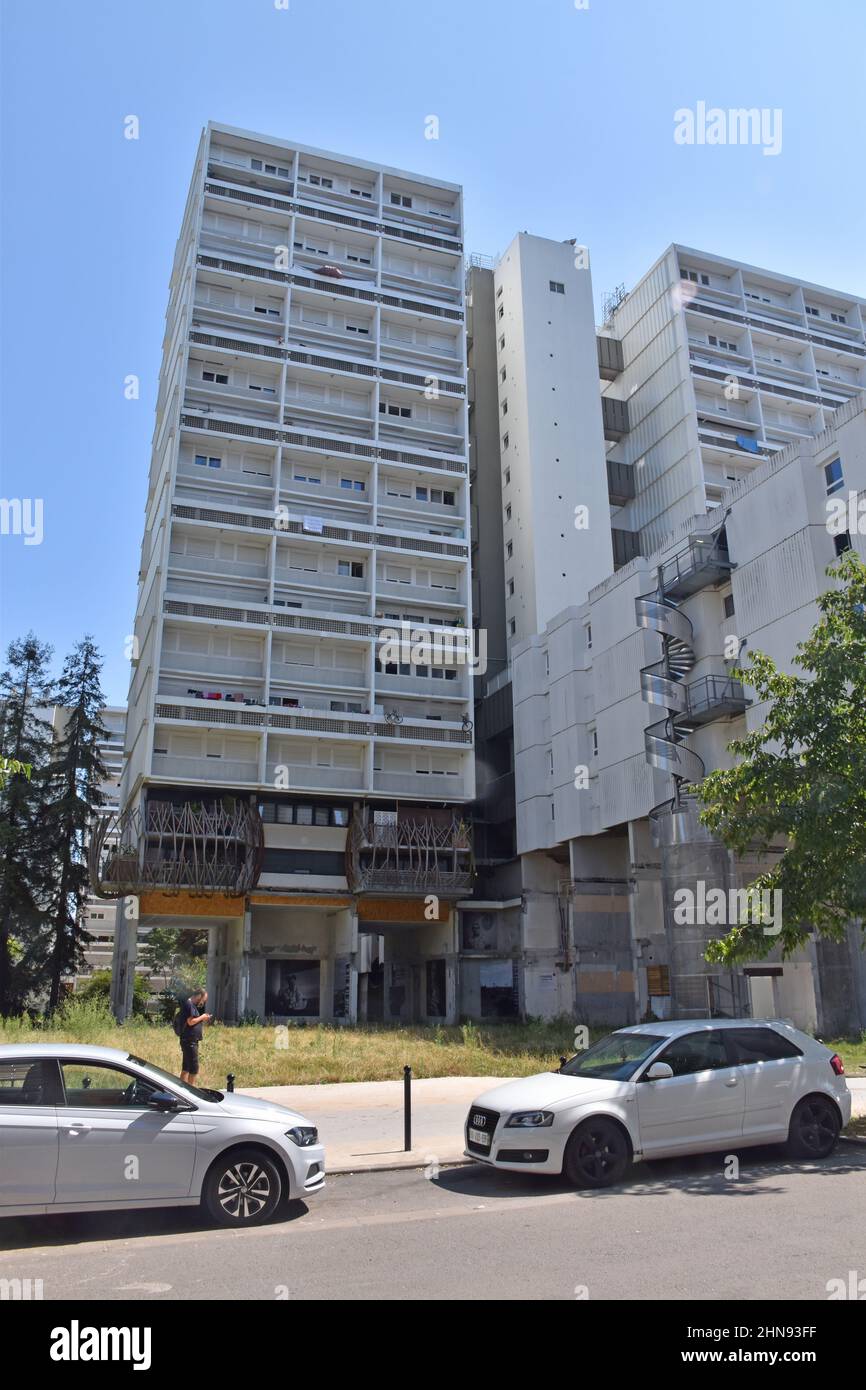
660,1089
96,1129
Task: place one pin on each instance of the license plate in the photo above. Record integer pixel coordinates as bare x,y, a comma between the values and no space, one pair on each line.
477,1136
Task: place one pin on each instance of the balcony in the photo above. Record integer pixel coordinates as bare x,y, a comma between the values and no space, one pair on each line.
228,772
428,851
714,697
614,417
703,561
620,482
307,777
610,358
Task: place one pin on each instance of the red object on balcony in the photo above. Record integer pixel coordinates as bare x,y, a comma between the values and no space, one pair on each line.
333,270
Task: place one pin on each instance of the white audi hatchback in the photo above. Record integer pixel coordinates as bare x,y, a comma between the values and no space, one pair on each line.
97,1129
660,1089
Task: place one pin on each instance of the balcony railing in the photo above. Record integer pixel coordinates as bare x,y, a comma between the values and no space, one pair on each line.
714,697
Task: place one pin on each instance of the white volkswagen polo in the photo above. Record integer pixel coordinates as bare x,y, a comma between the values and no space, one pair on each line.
660,1089
97,1129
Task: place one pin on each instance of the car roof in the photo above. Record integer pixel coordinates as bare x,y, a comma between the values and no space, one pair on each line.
674,1027
9,1052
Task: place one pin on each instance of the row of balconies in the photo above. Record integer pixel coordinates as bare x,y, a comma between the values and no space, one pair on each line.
327,440
237,772
749,316
318,205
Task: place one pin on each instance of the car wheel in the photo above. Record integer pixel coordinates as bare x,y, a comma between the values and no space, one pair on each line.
242,1189
814,1128
597,1154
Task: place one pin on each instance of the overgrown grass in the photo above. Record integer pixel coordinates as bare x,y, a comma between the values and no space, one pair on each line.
257,1054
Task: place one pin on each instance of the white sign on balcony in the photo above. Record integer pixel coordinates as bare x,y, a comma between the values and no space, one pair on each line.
314,524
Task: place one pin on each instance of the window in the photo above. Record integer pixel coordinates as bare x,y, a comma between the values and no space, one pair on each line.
696,1052
557,287
307,478
422,494
509,549
351,569
749,1045
399,200
593,738
219,378
507,476
842,542
833,476
512,627
502,374
208,461
351,484
511,588
810,309
508,512
550,762
694,277
26,1082
94,1086
723,343
499,293
504,407
353,327
729,605
266,309
505,441
589,636
500,312
387,408
838,318
502,343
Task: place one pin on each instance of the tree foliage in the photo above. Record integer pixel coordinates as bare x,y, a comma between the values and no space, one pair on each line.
798,789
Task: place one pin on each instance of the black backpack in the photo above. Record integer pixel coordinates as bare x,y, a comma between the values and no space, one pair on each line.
178,1023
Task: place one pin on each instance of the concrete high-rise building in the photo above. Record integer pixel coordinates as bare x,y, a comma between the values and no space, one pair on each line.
296,777
730,410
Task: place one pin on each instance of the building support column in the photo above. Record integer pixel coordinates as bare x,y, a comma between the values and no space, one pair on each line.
124,957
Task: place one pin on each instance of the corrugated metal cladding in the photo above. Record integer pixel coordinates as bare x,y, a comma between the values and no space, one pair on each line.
495,714
625,791
615,672
640,300
655,407
775,583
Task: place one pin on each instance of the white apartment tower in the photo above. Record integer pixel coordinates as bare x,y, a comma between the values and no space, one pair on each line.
291,783
555,505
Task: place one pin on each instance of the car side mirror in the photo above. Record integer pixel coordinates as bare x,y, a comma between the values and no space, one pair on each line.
659,1071
163,1100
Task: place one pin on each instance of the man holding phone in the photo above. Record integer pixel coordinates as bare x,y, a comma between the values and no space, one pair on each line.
193,1019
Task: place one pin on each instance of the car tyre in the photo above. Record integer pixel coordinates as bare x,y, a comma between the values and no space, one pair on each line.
242,1189
598,1154
814,1128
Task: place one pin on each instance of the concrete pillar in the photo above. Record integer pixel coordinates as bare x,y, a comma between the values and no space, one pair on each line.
124,956
213,962
233,975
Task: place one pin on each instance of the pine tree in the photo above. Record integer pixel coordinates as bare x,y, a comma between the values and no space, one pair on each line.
25,739
75,779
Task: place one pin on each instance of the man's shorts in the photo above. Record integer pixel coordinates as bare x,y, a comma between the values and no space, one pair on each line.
189,1056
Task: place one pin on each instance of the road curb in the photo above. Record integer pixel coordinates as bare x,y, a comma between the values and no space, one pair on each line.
394,1167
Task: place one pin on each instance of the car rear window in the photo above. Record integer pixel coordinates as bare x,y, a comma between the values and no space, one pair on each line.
759,1045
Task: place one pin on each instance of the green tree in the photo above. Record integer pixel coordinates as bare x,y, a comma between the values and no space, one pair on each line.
75,777
25,739
798,789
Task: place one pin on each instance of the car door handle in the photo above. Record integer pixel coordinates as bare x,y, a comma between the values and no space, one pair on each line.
732,1081
73,1130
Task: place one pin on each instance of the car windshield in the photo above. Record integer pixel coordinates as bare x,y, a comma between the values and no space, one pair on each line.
200,1092
616,1058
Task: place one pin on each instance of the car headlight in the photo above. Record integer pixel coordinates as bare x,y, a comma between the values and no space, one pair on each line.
530,1119
304,1135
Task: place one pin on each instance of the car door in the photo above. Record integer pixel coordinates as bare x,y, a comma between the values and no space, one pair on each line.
772,1068
29,1091
700,1106
113,1146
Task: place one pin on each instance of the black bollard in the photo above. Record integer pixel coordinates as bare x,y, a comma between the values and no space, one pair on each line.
230,1081
407,1109
562,1062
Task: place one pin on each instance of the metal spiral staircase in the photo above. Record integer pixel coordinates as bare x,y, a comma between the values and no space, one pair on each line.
662,684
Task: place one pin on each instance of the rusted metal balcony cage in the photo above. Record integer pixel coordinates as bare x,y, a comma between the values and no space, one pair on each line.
198,847
419,852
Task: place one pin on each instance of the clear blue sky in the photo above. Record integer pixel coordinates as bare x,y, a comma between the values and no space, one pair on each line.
556,120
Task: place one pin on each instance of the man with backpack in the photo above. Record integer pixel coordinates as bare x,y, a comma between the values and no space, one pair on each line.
188,1024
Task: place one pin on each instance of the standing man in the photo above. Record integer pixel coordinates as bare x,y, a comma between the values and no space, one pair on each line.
191,1023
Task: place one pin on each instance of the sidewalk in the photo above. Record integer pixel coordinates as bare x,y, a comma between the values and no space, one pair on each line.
361,1122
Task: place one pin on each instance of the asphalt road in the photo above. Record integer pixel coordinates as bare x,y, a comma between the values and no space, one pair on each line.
678,1230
